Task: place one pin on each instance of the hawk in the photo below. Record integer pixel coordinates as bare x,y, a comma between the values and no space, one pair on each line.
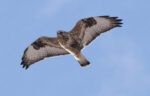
72,42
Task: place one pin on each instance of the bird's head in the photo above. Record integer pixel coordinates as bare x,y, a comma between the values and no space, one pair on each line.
60,32
63,36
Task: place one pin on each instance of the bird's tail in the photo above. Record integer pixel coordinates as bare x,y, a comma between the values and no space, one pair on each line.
82,60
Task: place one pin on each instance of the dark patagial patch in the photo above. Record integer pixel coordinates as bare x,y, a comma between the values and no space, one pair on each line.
38,44
89,21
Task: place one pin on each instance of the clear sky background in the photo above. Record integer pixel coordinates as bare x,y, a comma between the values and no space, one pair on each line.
120,61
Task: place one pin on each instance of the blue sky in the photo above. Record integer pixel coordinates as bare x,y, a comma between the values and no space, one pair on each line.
119,58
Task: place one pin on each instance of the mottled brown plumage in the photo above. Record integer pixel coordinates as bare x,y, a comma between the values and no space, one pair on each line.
84,32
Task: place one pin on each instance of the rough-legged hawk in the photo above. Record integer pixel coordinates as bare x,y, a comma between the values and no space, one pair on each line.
84,32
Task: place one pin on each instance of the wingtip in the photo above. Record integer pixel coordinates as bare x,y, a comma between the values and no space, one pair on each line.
118,19
119,26
117,22
24,65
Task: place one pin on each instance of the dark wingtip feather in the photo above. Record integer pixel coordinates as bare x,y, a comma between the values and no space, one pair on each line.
114,17
119,26
118,19
119,23
27,66
24,64
116,22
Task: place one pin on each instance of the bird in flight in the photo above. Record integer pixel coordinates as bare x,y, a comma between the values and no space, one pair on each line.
72,42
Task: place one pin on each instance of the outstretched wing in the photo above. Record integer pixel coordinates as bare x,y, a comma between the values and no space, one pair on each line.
89,28
41,48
